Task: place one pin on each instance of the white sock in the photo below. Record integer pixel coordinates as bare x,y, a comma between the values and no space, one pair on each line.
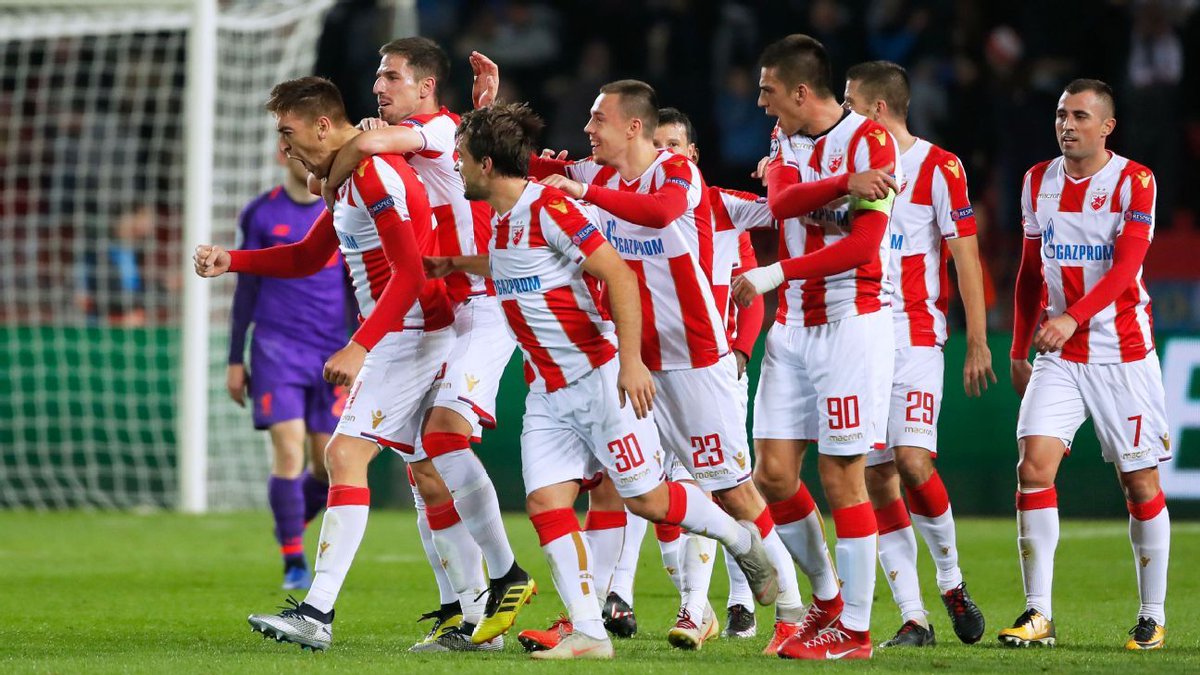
1037,539
446,594
342,529
605,542
1151,540
476,502
898,558
805,540
940,538
739,588
671,551
631,550
857,544
789,606
461,558
571,563
699,556
695,512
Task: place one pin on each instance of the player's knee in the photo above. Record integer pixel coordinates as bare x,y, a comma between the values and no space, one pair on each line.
882,482
775,485
287,462
1140,486
652,506
915,466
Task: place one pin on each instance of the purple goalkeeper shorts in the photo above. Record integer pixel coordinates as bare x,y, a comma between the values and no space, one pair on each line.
286,384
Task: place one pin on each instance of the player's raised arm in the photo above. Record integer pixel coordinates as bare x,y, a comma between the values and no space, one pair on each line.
485,80
396,140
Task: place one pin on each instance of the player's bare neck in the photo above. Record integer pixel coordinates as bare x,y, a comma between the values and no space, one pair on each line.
899,131
506,192
1088,166
427,106
638,157
825,115
298,191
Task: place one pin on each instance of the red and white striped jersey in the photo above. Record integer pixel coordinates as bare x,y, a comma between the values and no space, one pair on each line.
932,206
463,227
536,253
734,212
379,184
682,326
1078,221
853,145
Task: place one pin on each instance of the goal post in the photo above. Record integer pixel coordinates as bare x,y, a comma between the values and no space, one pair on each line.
130,131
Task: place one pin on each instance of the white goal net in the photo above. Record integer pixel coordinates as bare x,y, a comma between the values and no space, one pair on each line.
93,129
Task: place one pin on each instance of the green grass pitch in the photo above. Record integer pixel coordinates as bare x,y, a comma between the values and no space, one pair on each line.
106,592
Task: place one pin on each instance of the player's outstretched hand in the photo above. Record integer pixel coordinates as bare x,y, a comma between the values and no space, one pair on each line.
236,383
561,155
486,80
342,368
755,282
369,123
872,185
571,187
635,384
437,267
1020,370
1054,334
977,369
211,260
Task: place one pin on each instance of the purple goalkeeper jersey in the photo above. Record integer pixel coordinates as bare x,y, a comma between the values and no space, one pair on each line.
306,315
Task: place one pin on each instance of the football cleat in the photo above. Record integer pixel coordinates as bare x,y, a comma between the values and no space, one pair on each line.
815,620
444,621
685,634
298,623
832,644
542,640
1147,634
577,646
1031,629
297,579
505,600
911,634
965,615
618,617
460,639
784,630
756,565
740,623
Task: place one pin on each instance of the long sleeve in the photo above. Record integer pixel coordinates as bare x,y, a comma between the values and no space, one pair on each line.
301,259
1128,253
749,319
402,252
853,250
245,294
657,210
1027,300
787,197
541,167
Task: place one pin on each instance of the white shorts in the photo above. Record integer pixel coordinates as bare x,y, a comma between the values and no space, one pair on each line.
676,470
388,400
1125,401
482,349
699,422
916,402
581,429
829,383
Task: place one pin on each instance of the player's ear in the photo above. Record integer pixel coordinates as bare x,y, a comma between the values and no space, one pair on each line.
324,124
1107,127
428,85
799,93
635,127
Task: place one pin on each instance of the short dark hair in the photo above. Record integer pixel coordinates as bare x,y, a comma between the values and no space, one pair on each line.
311,97
638,100
677,116
883,81
800,59
507,133
424,56
1098,87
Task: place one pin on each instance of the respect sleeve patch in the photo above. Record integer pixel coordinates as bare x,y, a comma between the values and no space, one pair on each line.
965,212
584,232
379,206
1138,217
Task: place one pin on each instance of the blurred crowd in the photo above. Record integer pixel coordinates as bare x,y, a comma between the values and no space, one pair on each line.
985,79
